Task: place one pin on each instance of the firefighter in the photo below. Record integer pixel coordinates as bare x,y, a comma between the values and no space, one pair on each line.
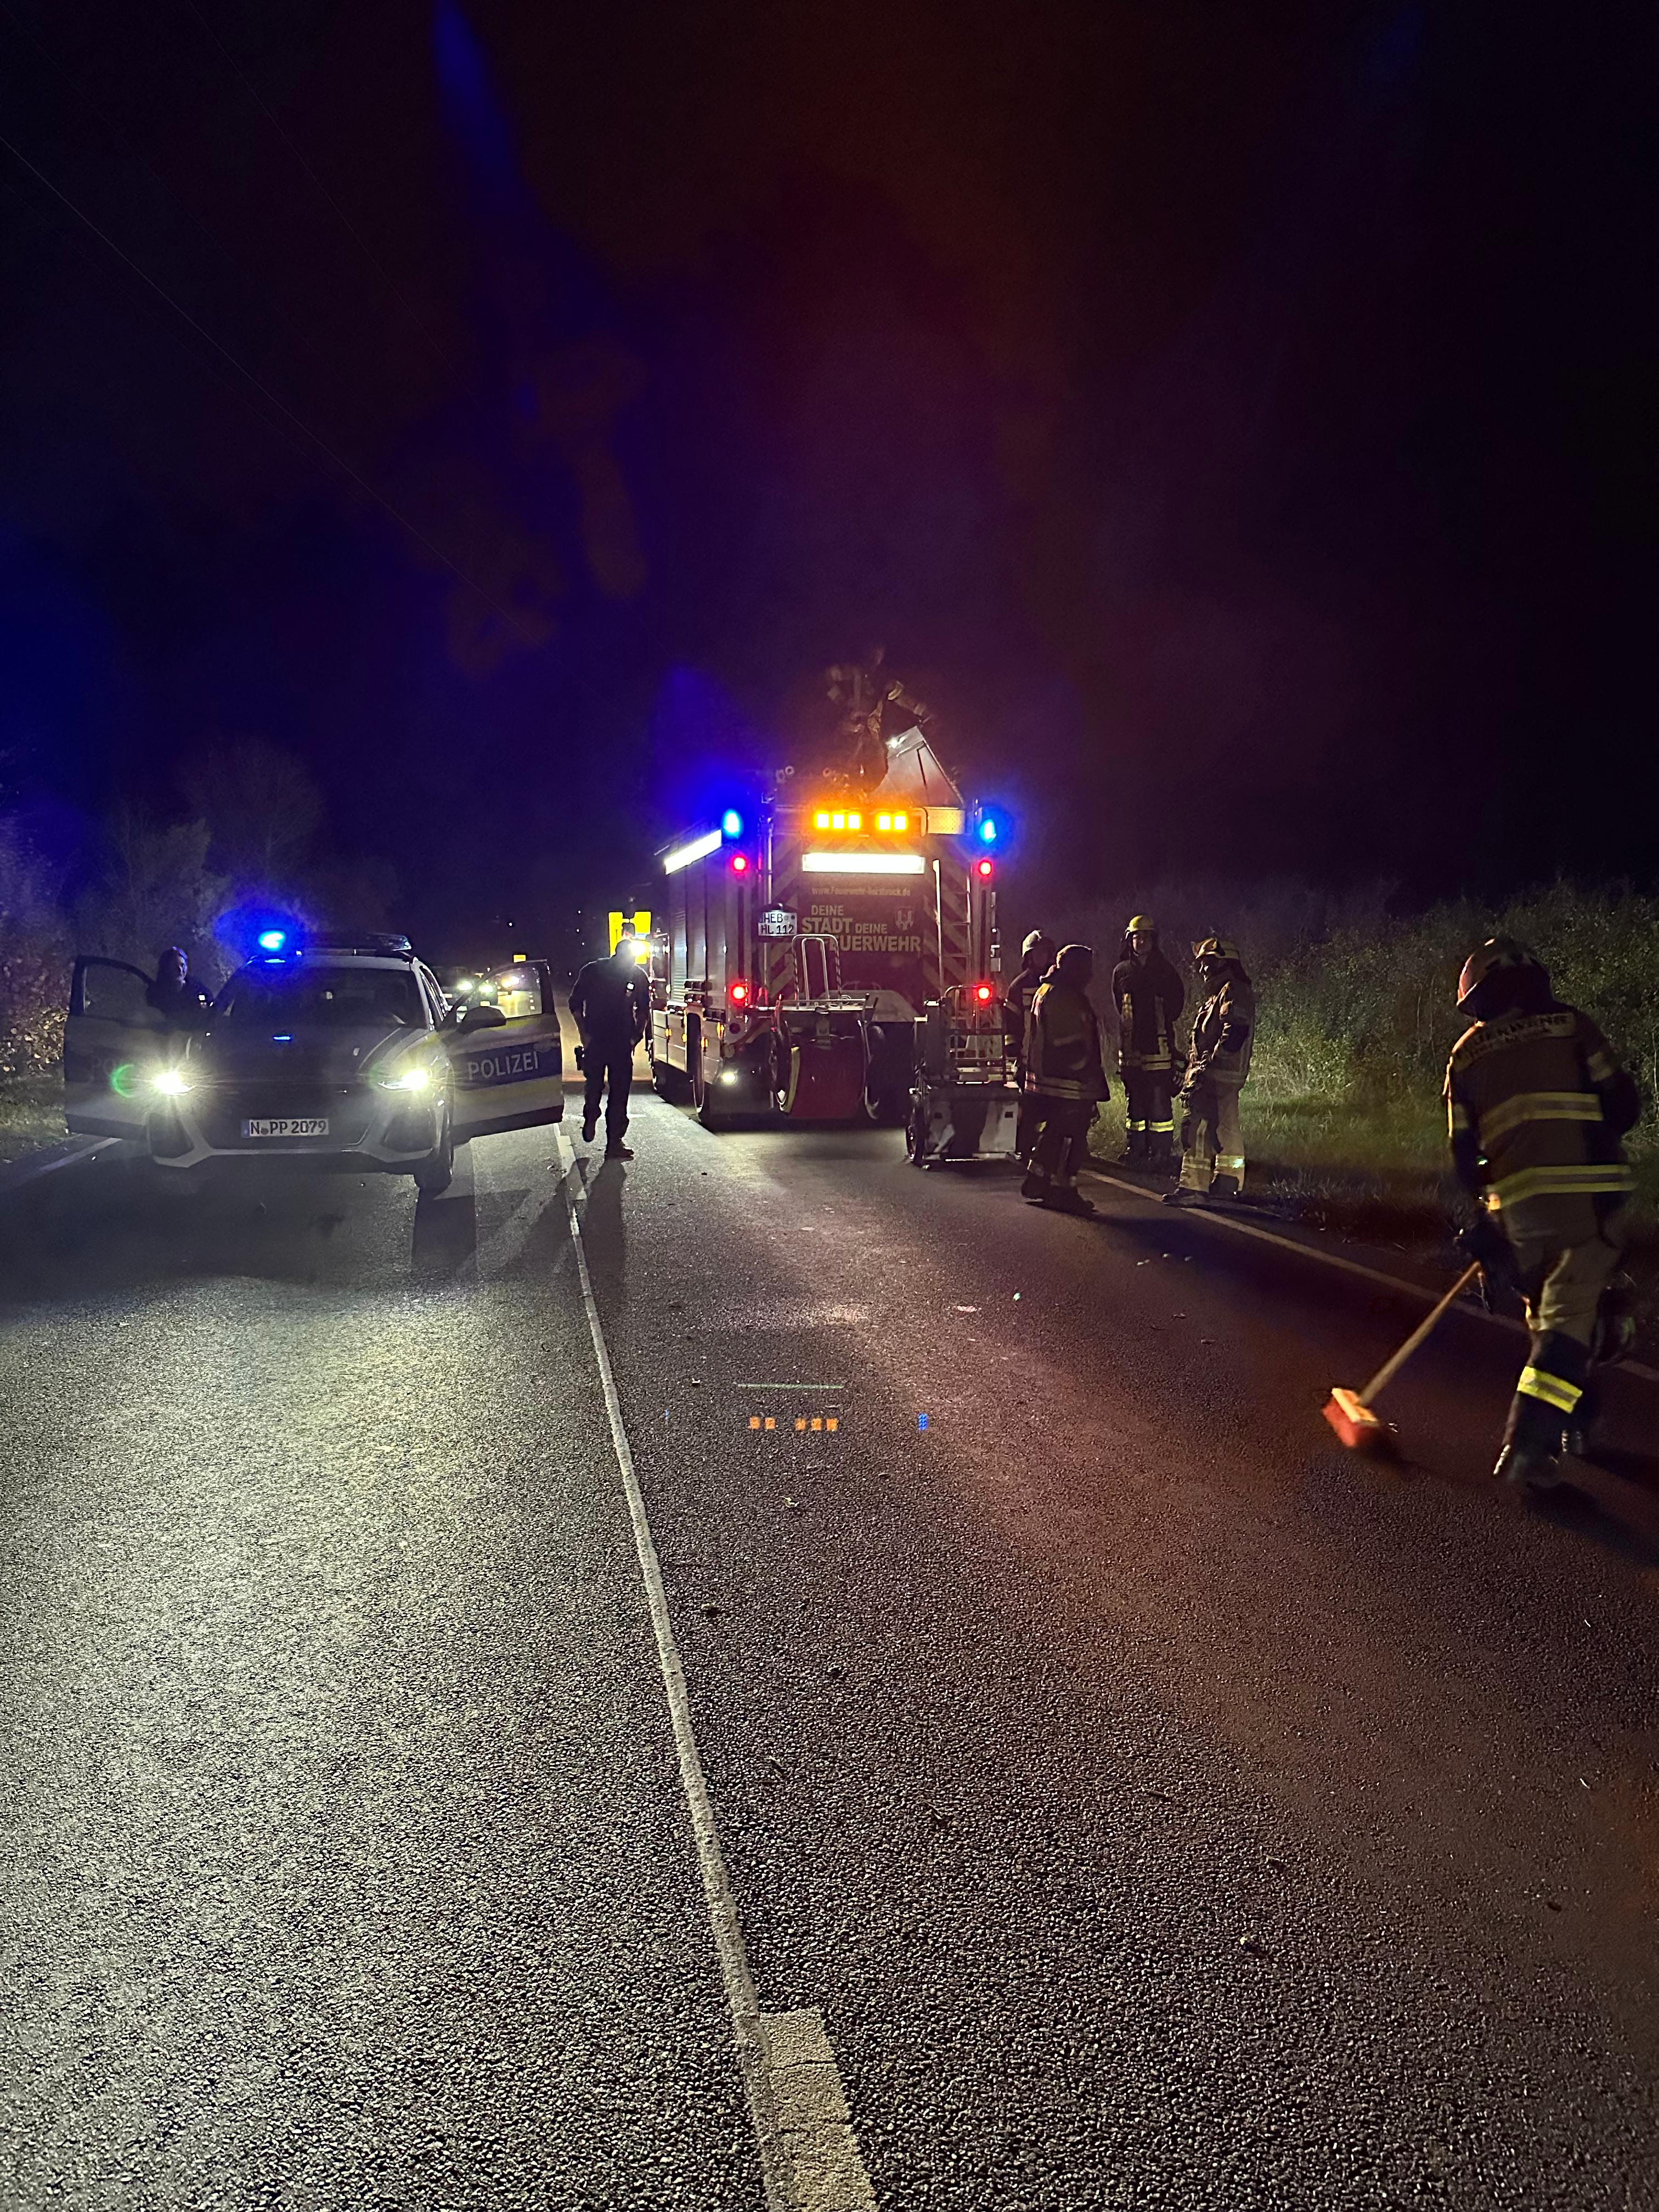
1037,956
610,1001
1536,1104
1217,1066
1149,995
1065,1079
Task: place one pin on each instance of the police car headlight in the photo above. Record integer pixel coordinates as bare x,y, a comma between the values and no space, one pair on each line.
405,1078
171,1082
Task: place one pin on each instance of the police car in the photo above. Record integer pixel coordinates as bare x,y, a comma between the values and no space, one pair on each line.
335,1052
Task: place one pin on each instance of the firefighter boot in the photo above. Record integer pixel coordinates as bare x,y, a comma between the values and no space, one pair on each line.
1533,1473
1580,1433
1134,1153
1036,1187
1529,1461
1066,1198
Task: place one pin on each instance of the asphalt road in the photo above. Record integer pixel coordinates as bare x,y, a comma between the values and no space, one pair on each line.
1159,1806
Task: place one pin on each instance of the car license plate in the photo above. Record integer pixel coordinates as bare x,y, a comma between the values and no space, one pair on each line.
298,1125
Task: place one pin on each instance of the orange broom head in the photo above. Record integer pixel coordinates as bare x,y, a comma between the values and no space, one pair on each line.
1354,1422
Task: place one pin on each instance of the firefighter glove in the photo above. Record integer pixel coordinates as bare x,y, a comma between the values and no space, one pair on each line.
1482,1241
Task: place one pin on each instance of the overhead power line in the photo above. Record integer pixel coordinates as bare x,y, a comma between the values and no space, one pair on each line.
313,437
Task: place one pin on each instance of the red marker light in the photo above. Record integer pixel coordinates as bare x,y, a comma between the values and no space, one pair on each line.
984,994
739,993
985,868
739,864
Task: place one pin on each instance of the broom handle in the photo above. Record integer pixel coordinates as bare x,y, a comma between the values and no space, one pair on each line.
1384,1376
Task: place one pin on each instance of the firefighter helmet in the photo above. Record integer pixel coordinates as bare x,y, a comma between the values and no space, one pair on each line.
1215,948
1498,975
1140,924
1076,964
1038,941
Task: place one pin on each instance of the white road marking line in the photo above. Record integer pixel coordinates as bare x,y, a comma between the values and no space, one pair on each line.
788,1386
15,1173
809,2155
503,1244
1349,1266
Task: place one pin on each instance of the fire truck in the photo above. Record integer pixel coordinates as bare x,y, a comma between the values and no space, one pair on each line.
803,934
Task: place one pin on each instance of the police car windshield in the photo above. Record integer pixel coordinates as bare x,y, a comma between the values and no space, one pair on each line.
340,997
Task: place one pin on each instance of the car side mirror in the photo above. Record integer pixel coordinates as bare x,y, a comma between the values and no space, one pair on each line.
481,1017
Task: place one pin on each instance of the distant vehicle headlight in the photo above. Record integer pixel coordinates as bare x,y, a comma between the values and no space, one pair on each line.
171,1082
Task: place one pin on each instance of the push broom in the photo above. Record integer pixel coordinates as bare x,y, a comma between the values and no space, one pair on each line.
1349,1412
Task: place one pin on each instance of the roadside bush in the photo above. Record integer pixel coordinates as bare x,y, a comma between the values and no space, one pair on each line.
154,888
33,960
1358,1001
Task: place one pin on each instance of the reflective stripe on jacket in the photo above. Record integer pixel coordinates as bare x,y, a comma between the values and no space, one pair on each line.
1062,1044
1149,995
1522,1094
1222,1034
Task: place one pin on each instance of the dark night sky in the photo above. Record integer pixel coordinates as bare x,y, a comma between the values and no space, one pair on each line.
1236,419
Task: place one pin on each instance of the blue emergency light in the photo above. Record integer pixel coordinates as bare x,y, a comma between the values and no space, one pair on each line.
272,940
732,823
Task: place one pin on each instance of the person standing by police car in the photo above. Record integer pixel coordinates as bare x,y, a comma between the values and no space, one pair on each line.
175,994
611,1002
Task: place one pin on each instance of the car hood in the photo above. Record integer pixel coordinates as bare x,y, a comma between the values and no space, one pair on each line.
248,1053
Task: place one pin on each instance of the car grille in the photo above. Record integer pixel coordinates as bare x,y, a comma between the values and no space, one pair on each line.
347,1110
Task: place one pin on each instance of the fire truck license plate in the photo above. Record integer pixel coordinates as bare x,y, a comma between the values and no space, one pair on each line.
308,1125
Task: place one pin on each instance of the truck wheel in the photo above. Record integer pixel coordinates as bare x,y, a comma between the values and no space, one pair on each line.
915,1133
892,1106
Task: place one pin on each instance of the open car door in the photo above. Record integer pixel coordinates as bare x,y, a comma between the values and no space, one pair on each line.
508,1069
113,1041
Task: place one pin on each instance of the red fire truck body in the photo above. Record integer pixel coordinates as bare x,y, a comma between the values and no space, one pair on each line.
799,949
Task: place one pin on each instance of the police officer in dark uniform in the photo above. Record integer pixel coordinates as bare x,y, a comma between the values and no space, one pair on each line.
610,1001
182,1004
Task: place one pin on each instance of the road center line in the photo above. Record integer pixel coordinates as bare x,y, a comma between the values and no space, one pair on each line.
788,1386
808,2154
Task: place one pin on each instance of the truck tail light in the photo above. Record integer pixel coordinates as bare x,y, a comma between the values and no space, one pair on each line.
984,993
740,864
985,870
737,993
